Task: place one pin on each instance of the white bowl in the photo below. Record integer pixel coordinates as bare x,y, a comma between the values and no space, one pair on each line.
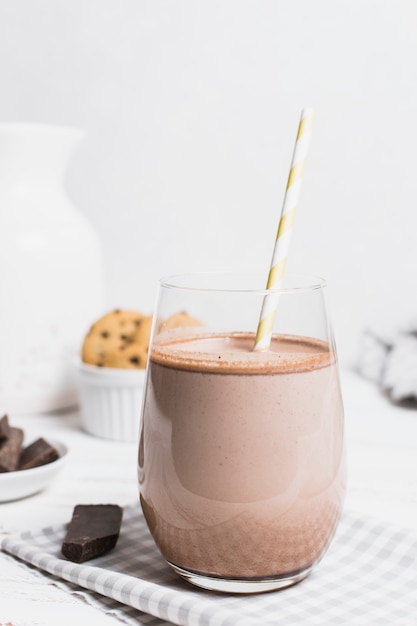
110,401
23,483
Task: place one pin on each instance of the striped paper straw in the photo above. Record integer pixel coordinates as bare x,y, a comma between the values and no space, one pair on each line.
282,242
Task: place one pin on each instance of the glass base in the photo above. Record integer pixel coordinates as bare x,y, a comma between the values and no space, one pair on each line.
237,585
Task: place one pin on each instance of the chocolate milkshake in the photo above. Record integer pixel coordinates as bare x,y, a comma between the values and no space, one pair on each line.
241,456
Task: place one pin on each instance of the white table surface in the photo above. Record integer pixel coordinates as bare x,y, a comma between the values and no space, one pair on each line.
382,464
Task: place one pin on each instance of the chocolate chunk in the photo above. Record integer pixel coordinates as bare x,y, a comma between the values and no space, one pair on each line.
93,530
4,428
10,450
126,338
40,452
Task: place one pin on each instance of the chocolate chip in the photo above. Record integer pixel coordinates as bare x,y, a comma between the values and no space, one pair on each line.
135,360
105,334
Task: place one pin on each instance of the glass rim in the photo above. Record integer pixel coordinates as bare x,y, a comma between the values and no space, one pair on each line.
189,282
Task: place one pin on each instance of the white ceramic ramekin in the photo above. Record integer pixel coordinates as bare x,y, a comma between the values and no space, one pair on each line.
110,401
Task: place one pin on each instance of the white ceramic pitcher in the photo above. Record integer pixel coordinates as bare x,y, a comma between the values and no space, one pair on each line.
51,277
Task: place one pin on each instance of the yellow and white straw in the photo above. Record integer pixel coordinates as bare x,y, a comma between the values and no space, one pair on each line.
282,242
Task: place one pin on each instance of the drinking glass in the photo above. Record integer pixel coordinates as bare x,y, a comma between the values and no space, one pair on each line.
241,455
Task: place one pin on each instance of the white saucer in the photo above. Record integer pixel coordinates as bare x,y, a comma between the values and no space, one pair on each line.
23,483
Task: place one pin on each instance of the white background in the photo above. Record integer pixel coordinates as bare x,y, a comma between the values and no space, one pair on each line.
190,110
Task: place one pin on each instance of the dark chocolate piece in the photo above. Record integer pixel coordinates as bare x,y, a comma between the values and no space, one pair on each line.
38,453
10,450
4,428
93,530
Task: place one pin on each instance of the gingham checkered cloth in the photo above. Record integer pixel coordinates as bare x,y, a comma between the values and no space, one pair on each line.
368,576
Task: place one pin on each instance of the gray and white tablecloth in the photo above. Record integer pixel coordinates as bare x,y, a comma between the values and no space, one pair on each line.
368,577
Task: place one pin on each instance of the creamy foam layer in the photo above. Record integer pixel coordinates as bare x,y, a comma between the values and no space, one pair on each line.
234,353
